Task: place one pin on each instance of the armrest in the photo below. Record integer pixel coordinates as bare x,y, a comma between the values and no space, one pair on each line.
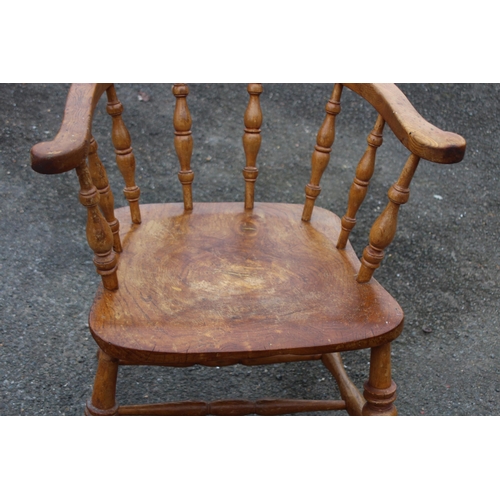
71,144
417,135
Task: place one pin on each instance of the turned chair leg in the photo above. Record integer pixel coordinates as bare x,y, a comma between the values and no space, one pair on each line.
103,396
380,390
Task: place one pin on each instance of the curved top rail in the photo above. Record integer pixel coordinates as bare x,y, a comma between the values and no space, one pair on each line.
70,146
417,135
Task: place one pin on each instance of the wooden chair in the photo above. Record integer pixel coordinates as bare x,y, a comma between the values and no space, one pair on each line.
256,283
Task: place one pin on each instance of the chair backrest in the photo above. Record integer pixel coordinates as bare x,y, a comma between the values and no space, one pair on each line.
74,147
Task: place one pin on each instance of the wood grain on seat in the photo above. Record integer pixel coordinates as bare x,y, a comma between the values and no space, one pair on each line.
221,281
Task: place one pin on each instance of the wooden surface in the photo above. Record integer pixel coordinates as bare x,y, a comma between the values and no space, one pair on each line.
125,158
222,282
418,136
425,140
349,392
321,154
380,390
384,228
251,141
103,402
359,187
71,144
106,198
183,142
99,234
236,407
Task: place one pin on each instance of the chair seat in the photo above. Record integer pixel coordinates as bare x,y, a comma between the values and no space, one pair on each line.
221,283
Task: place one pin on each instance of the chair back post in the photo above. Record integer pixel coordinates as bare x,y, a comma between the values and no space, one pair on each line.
322,150
106,198
384,228
125,158
183,142
99,235
251,141
359,188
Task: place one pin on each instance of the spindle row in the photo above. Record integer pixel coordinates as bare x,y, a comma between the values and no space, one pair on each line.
96,195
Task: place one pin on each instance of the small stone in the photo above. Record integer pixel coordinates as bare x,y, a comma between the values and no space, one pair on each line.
427,329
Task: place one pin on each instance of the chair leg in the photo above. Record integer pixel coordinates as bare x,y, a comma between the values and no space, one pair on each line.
380,390
103,396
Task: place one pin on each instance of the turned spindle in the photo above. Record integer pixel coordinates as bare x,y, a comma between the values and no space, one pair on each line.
380,390
106,199
384,228
183,142
359,188
251,141
125,158
99,235
322,150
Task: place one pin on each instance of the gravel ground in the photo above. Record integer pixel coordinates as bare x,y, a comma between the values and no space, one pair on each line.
443,265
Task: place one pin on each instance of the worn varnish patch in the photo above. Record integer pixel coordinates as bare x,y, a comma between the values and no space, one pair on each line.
222,279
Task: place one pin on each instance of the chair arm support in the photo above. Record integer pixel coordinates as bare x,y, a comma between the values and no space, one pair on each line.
416,134
71,144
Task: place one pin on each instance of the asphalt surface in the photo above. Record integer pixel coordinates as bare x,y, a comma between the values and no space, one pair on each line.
443,266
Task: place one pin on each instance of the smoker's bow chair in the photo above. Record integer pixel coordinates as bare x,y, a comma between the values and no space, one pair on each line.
255,283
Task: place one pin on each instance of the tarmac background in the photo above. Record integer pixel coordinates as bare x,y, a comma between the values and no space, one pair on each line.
443,266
